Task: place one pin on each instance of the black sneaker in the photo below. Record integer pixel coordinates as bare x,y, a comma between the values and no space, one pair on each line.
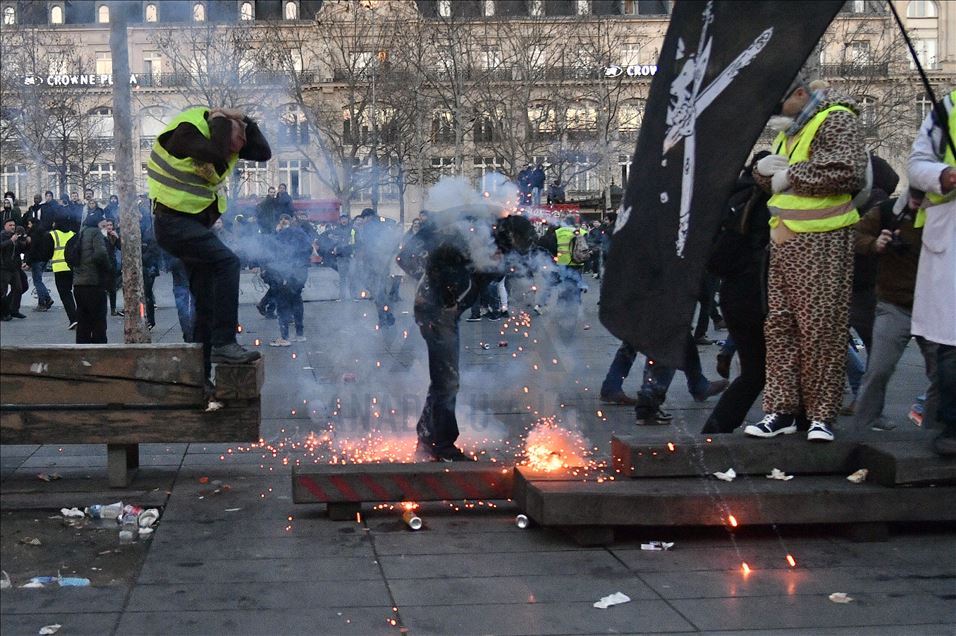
703,341
819,432
713,388
659,418
723,365
453,454
17,314
771,425
493,316
233,353
261,309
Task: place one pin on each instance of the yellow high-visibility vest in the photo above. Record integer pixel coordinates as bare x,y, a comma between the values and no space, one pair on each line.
564,237
186,185
948,159
804,213
59,250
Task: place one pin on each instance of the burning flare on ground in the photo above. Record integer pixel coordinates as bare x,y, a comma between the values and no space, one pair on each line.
550,447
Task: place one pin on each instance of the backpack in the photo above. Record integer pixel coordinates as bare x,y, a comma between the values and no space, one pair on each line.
73,251
580,250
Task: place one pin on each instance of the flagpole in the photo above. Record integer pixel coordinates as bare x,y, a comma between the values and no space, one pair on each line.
938,109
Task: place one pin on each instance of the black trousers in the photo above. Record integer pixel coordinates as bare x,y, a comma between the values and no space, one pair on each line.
438,426
10,301
708,305
64,287
732,408
90,314
213,276
149,277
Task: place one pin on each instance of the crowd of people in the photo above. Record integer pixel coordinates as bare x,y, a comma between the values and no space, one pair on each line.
815,262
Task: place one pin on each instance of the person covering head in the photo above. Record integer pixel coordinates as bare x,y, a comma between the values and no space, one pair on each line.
515,233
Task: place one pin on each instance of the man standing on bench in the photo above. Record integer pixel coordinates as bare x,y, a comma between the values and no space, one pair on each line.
190,161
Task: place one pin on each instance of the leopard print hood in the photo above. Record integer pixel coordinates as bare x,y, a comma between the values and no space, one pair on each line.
831,97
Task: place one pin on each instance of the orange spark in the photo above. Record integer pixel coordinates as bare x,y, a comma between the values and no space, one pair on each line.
733,521
791,561
671,447
745,567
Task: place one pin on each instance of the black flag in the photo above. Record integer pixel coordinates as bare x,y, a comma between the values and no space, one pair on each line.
723,68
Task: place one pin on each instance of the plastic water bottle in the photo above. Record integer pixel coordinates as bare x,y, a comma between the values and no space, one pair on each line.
129,531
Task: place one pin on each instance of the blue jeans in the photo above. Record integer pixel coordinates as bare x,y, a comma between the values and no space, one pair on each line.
36,272
185,305
536,197
854,369
619,369
658,378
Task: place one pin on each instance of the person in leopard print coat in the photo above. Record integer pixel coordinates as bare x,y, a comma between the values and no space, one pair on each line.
811,258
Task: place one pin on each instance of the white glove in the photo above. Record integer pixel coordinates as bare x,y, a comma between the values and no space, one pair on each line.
772,164
780,181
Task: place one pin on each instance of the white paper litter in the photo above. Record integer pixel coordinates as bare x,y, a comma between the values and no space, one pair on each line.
214,406
729,475
614,599
859,476
233,509
145,532
776,473
148,518
4,580
840,597
50,629
31,584
657,546
75,513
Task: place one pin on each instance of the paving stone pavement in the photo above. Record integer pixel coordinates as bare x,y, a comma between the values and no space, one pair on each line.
247,560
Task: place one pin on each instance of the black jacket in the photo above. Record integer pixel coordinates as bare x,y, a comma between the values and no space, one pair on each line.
11,249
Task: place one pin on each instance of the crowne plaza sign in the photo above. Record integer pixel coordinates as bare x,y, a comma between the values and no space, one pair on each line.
86,79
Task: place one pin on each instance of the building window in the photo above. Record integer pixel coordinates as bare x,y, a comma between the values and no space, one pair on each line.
925,53
443,167
291,11
152,12
56,14
542,121
253,178
247,11
857,52
444,8
104,63
14,179
152,123
486,127
583,7
294,173
199,12
102,122
630,7
101,178
921,9
443,128
57,63
490,58
103,14
488,8
486,166
9,16
868,115
293,127
924,105
629,118
858,6
537,8
152,65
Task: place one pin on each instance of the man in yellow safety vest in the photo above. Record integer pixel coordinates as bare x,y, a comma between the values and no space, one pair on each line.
190,162
63,231
932,167
818,166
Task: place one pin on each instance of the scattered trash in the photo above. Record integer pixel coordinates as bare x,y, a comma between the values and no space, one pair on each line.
203,480
109,511
126,536
485,346
502,343
522,521
213,406
587,327
70,581
50,477
657,546
776,473
30,541
348,378
148,518
72,513
841,597
233,509
617,598
859,476
412,520
50,629
39,581
729,475
4,580
145,532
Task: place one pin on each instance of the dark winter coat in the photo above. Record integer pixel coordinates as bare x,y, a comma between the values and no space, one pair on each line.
95,268
11,250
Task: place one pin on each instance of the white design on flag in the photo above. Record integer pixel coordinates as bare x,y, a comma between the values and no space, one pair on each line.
688,101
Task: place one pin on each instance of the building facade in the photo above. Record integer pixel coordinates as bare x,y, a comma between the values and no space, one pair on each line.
371,101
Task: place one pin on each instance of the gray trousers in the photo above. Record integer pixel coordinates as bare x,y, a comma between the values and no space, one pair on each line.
891,335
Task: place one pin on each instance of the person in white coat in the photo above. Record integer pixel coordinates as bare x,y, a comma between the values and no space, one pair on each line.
932,168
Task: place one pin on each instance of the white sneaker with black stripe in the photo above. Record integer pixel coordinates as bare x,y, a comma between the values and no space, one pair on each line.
771,425
819,432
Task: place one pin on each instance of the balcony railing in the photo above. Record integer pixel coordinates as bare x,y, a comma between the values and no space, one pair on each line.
253,78
853,69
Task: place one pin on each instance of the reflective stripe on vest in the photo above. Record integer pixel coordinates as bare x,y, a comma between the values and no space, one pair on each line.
186,185
948,159
804,213
59,250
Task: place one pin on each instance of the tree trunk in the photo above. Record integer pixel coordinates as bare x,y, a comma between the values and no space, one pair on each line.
134,328
400,179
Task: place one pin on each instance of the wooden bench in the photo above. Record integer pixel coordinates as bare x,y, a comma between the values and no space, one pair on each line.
123,396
